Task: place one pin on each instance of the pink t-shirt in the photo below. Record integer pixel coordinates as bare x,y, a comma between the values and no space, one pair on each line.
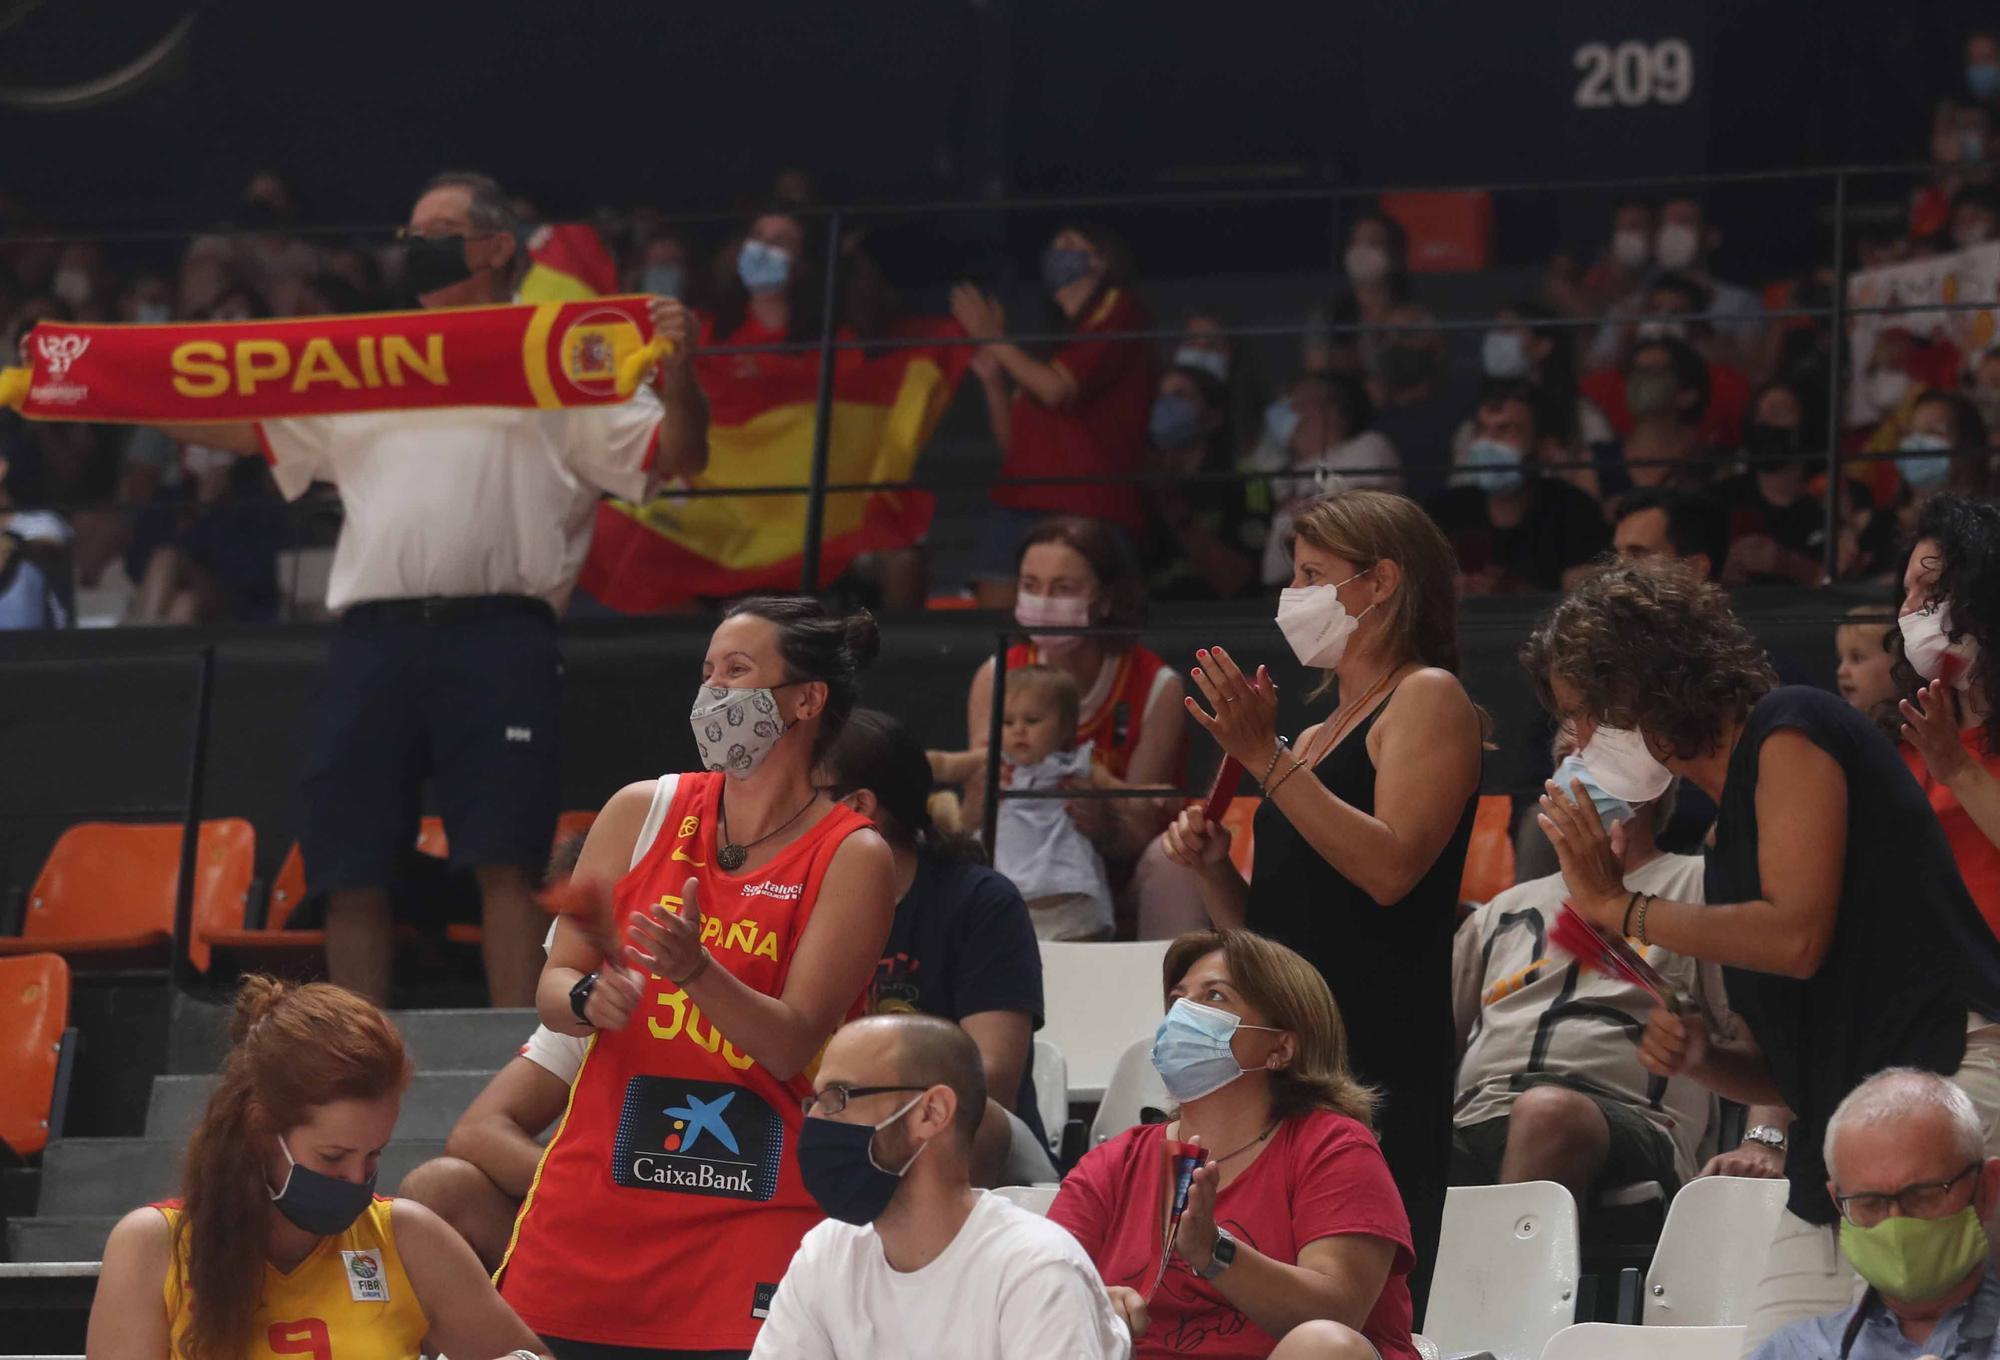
1321,1176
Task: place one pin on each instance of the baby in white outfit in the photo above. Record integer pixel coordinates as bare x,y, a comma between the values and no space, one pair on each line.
1037,845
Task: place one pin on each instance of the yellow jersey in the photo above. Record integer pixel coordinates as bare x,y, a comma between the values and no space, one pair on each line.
349,1300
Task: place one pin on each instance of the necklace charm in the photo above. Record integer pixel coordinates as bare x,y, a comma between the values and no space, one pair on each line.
731,857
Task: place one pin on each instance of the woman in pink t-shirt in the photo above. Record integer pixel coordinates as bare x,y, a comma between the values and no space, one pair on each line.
1293,1244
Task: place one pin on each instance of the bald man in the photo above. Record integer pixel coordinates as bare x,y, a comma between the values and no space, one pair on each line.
912,1261
1907,1168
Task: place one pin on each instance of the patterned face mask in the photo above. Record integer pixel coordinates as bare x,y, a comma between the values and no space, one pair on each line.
734,729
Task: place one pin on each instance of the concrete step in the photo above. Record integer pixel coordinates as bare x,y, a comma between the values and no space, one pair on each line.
464,1040
63,1238
431,1106
112,1175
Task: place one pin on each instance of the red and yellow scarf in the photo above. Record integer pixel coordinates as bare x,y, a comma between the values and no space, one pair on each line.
591,352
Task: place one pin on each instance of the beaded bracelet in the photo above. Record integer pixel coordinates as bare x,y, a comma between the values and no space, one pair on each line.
1283,742
1295,767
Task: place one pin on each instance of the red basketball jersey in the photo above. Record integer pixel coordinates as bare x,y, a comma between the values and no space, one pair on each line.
1115,724
668,1204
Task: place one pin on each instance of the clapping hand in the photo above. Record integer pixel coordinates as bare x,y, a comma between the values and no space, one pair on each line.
1592,865
1245,720
666,943
1930,724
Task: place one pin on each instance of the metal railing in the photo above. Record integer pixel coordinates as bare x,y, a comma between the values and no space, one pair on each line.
1836,314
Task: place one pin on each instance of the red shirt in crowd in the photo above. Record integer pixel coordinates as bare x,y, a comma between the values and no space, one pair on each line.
1101,432
1978,858
1322,1175
1114,727
1721,423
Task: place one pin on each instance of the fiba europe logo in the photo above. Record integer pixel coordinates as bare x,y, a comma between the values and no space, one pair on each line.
697,1138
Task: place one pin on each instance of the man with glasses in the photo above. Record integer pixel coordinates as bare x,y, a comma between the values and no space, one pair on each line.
912,1260
462,536
1909,1172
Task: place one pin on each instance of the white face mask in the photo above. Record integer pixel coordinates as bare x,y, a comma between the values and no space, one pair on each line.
1631,248
1931,652
734,729
1886,388
1677,245
1366,263
1316,623
1213,362
1052,611
1620,764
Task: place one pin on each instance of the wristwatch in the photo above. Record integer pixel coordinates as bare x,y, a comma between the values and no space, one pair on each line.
1766,1135
1221,1258
579,996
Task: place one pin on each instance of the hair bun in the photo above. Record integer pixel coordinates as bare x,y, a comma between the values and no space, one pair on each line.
863,638
257,998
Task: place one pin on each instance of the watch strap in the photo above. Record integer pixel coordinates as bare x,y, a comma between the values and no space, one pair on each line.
1221,1257
579,996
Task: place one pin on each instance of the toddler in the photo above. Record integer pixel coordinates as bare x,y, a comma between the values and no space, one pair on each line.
1036,845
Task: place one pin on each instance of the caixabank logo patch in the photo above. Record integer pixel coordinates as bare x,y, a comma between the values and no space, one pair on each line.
697,1138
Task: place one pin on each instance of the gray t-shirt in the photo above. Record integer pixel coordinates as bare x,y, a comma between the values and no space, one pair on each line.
1506,982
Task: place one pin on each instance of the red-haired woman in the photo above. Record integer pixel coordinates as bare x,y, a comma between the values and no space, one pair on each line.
279,1245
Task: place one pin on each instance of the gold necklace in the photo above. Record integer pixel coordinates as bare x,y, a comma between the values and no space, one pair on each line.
1341,721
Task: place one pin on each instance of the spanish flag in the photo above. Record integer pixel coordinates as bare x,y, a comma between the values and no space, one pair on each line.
886,402
566,262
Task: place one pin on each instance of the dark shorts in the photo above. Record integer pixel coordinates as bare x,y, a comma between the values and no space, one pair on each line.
468,698
1638,1152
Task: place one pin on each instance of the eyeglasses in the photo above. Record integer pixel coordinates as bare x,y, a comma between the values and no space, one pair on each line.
1930,1199
832,1098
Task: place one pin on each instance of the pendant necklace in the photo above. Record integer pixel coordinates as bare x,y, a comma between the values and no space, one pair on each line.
732,855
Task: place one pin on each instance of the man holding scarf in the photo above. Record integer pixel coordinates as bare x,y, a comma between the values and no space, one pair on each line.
464,531
1909,1172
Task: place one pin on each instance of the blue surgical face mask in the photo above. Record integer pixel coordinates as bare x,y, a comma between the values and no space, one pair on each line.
1191,1050
1175,422
1982,79
763,268
1281,419
1931,463
1609,809
320,1204
1503,354
666,280
1493,467
1064,265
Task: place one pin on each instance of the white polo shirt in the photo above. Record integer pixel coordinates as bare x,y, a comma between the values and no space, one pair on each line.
466,501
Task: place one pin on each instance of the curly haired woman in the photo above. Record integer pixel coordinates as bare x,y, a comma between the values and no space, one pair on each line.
1948,623
1851,944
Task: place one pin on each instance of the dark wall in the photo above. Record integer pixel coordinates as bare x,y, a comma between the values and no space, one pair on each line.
101,724
687,103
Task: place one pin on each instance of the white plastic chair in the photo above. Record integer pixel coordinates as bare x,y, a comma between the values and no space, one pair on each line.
1051,1092
1506,1270
1711,1250
1036,1199
1609,1341
1135,1085
1096,999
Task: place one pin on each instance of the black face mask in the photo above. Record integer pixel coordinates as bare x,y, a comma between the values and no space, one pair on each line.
837,1163
1770,447
431,263
1407,366
323,1205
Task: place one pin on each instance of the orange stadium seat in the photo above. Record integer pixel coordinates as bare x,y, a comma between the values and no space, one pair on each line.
1489,860
34,1010
105,896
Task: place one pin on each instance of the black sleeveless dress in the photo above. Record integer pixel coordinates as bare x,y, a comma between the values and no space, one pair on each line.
1390,971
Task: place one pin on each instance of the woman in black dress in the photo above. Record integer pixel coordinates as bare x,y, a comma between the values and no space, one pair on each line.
1361,839
1849,941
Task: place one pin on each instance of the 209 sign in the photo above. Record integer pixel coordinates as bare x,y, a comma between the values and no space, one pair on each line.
1633,73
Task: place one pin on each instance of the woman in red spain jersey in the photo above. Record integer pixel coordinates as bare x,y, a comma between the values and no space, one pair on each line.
278,1246
749,914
